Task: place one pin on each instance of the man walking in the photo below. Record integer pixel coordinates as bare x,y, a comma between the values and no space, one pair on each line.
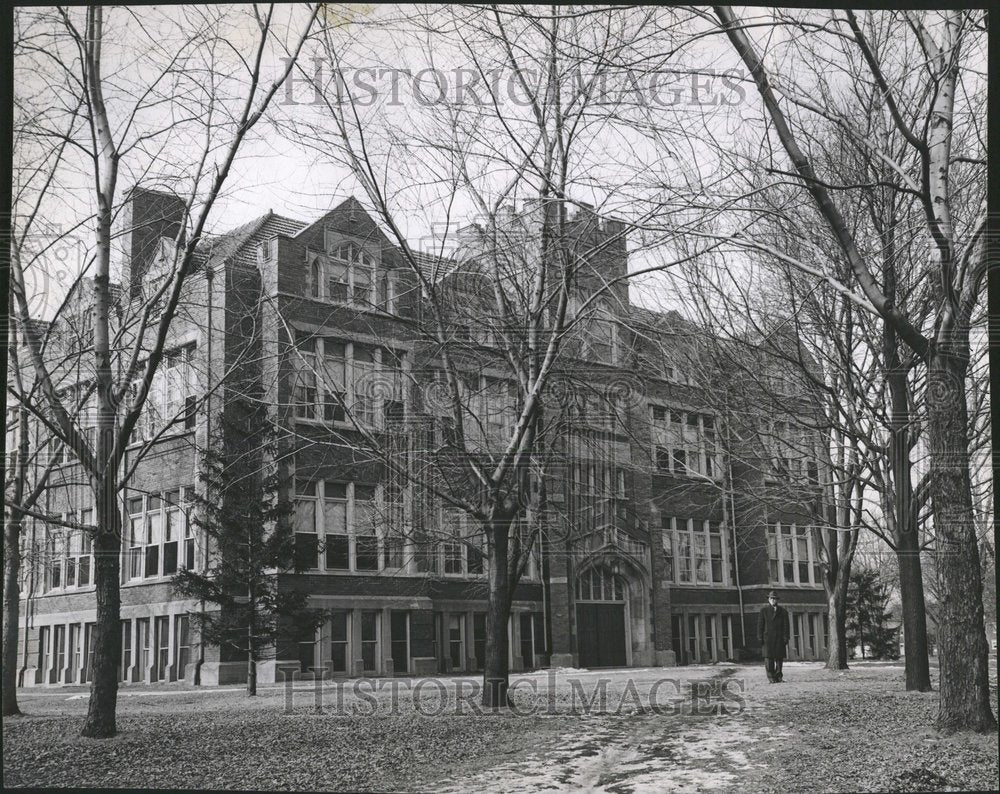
772,631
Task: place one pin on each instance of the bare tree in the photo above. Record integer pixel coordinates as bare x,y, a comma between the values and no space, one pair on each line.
941,152
215,100
528,278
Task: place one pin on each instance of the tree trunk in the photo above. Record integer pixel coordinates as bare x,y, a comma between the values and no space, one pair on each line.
904,514
836,645
496,671
251,675
100,721
911,596
964,689
11,604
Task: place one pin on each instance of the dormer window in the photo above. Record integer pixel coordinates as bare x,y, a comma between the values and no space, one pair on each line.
352,274
346,274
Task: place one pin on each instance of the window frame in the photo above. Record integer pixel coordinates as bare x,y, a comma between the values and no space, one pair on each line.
322,490
155,516
352,256
323,404
776,548
688,547
158,407
675,444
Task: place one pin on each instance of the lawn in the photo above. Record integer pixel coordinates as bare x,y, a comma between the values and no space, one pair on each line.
680,729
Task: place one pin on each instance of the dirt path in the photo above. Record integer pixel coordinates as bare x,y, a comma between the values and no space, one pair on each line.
631,753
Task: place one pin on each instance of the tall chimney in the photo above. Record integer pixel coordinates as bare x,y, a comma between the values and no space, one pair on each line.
146,216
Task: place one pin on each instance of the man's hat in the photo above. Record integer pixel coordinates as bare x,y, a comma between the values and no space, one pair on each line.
773,595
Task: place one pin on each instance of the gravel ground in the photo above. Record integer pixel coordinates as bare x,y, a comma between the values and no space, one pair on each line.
818,731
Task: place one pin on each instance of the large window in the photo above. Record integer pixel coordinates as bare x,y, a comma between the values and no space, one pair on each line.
346,526
339,641
695,551
794,452
593,335
346,273
69,553
599,499
160,534
462,547
792,555
342,381
685,442
172,400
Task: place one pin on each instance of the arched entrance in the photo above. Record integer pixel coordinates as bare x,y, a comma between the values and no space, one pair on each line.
600,618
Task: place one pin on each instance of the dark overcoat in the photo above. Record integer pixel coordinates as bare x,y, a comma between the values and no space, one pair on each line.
772,631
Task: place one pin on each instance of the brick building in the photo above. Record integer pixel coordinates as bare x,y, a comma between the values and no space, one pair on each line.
669,514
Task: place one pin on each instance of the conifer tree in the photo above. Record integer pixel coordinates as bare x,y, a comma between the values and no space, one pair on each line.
246,523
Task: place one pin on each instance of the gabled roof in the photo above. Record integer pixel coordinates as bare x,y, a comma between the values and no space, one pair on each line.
231,245
669,321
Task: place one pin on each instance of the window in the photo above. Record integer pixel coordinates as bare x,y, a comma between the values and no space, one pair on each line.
369,641
685,442
81,549
697,551
792,556
594,335
694,638
498,409
267,251
462,547
58,652
456,651
346,274
599,584
182,644
479,638
667,533
305,393
55,552
342,381
43,649
338,641
366,543
527,640
153,535
135,535
159,530
710,635
89,631
346,522
143,646
337,540
794,452
304,524
400,641
126,660
161,631
69,553
391,518
454,548
75,651
727,636
307,654
172,398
